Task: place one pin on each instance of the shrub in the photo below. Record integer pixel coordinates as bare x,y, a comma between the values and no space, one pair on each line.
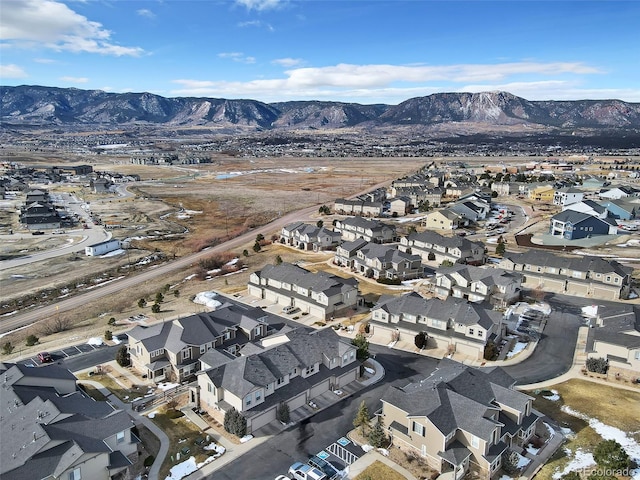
278,260
122,356
571,476
108,335
420,340
176,293
155,308
283,413
362,417
446,263
245,252
159,297
112,321
389,281
510,462
32,340
491,351
610,455
148,461
257,247
142,303
431,257
597,365
7,348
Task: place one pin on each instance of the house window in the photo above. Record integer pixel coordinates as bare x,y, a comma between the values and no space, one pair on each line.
247,400
203,348
258,396
616,280
186,353
471,331
417,428
120,437
309,370
227,335
352,355
480,333
209,388
637,355
475,441
608,278
75,474
279,381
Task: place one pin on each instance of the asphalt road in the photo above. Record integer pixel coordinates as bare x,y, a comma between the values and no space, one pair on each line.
301,441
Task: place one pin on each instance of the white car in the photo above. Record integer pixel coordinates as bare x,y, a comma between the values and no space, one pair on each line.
300,471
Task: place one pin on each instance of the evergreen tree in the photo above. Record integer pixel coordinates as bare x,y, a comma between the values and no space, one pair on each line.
362,418
362,345
283,413
377,437
420,340
122,356
610,455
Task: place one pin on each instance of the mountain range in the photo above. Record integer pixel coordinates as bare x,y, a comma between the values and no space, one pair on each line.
50,106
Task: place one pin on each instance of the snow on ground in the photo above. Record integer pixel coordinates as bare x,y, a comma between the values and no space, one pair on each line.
532,450
367,448
554,398
187,467
152,415
97,341
607,432
216,448
208,299
114,253
370,371
522,461
630,243
190,277
517,348
550,429
581,460
167,386
246,438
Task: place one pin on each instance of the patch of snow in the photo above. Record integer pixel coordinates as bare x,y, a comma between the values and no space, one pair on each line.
532,450
550,429
103,283
152,415
384,451
116,340
232,262
246,438
554,398
392,344
607,432
97,341
366,447
215,447
187,467
192,276
517,348
522,461
581,460
370,371
167,386
208,299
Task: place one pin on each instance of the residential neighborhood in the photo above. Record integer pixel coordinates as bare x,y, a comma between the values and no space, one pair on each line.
465,273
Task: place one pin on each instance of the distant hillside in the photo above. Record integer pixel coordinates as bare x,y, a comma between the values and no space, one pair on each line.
36,105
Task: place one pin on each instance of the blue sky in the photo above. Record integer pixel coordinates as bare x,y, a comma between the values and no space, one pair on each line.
364,51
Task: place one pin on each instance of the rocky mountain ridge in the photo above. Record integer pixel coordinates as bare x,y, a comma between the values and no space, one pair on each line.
38,105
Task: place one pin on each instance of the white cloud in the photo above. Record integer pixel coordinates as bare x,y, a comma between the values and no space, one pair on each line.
237,57
12,71
260,4
44,60
257,24
51,24
288,62
393,84
145,12
75,79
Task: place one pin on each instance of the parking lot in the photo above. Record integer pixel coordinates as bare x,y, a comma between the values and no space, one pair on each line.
63,354
338,455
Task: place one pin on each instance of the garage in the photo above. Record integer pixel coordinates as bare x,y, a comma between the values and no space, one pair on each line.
470,350
577,289
297,402
346,379
319,389
606,293
316,311
264,418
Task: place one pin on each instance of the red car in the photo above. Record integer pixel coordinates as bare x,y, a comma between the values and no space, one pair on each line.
45,357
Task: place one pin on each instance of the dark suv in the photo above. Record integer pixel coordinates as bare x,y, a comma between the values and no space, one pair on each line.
45,357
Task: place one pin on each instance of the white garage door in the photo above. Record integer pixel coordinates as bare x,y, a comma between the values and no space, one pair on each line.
346,379
297,402
262,419
319,389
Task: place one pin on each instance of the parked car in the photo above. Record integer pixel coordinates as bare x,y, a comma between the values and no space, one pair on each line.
325,467
300,471
37,232
45,357
289,309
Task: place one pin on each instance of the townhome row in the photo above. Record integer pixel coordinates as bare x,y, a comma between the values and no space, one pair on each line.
378,261
451,325
585,276
290,367
432,246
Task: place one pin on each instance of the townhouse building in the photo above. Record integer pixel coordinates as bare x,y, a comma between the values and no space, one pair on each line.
432,246
460,418
452,325
373,231
585,276
320,294
290,367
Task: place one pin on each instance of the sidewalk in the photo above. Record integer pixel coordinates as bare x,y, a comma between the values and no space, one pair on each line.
544,454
